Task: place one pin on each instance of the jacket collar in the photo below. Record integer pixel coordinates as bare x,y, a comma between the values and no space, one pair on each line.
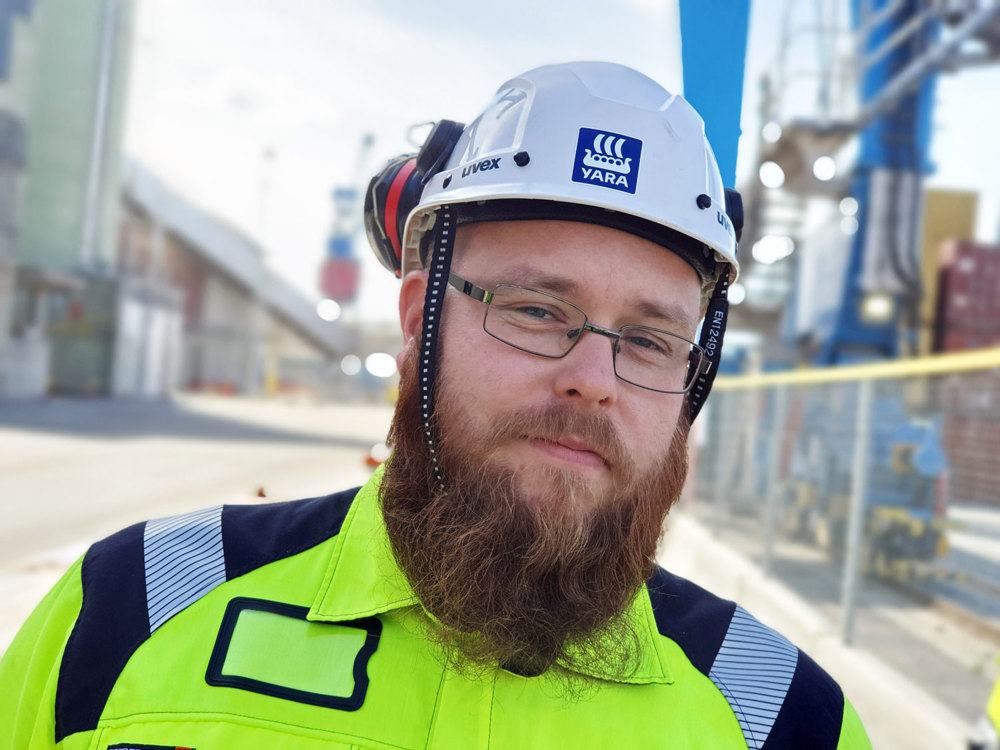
364,580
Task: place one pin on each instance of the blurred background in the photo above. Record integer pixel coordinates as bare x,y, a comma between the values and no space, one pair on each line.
190,315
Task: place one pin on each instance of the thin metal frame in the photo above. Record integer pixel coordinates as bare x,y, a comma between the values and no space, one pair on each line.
485,296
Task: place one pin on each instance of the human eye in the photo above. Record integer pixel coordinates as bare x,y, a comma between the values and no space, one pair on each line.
536,312
645,341
529,310
650,346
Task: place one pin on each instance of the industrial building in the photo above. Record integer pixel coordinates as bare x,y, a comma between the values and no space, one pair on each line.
206,313
110,284
17,40
64,98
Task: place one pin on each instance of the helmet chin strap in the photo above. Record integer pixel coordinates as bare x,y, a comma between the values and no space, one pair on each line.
437,282
712,331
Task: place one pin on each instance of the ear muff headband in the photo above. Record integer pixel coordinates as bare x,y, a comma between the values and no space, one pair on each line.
395,191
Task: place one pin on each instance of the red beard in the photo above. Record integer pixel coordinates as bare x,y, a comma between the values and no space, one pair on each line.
526,585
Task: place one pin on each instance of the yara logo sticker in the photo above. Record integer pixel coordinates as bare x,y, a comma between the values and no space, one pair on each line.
607,159
607,154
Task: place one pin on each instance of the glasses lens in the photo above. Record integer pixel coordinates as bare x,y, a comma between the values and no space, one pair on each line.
657,359
533,321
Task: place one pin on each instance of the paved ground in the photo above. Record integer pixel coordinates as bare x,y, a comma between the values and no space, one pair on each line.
72,471
949,650
75,470
896,711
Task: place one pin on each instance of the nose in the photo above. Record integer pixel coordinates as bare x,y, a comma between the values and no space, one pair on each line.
587,373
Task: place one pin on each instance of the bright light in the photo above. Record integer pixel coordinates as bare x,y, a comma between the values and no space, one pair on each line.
848,225
825,168
328,310
771,175
737,293
849,206
351,364
877,307
380,452
771,248
771,132
381,365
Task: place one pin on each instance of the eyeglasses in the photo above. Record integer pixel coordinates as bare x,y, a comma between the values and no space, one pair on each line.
549,326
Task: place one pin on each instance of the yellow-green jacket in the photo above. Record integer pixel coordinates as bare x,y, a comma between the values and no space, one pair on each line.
290,626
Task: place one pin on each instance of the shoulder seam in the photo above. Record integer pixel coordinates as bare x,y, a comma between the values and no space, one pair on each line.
137,579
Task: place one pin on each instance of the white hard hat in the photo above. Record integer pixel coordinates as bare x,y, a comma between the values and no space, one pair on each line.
588,141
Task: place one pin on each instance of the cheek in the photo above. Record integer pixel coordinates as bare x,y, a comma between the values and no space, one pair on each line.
653,422
481,367
468,362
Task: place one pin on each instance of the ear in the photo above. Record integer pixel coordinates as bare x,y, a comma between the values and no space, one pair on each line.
411,310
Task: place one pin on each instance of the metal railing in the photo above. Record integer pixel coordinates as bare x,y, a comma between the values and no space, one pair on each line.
856,468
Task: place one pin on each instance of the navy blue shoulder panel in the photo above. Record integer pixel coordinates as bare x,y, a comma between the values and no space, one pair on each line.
695,619
255,535
114,618
812,713
112,624
812,707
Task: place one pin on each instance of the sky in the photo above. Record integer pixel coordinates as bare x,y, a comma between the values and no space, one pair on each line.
216,83
255,109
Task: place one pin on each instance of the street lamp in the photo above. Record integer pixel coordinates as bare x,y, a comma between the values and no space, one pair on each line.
381,365
771,132
328,310
351,364
771,175
877,308
771,248
737,293
824,168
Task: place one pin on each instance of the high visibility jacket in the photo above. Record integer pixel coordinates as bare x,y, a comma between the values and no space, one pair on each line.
993,708
291,626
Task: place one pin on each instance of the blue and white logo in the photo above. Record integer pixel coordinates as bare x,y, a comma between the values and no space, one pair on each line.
607,159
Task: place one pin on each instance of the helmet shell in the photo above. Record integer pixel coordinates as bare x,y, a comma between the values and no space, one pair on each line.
592,134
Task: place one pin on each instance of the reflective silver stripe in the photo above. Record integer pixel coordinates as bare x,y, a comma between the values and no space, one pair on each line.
184,560
753,669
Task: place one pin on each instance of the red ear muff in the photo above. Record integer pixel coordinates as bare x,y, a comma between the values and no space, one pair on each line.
390,197
395,191
393,225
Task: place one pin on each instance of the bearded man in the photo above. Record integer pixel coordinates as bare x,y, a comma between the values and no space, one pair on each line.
494,584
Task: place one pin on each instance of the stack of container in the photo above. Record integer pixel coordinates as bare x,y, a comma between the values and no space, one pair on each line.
968,308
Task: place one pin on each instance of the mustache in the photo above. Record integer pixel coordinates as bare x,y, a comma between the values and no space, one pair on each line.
557,422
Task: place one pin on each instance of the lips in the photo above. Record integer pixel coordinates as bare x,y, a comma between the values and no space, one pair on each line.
576,444
570,449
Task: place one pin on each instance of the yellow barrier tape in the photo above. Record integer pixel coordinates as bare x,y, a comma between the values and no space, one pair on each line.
939,364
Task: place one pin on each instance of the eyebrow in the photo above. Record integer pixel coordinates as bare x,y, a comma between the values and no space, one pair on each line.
646,309
673,314
529,277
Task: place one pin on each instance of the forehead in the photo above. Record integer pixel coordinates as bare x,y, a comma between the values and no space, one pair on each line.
589,262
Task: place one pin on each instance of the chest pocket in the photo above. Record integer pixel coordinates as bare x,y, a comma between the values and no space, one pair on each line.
271,648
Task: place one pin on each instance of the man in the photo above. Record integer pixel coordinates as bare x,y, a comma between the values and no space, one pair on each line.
985,733
494,586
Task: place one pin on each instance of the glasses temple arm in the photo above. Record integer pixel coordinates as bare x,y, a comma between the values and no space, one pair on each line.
467,287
